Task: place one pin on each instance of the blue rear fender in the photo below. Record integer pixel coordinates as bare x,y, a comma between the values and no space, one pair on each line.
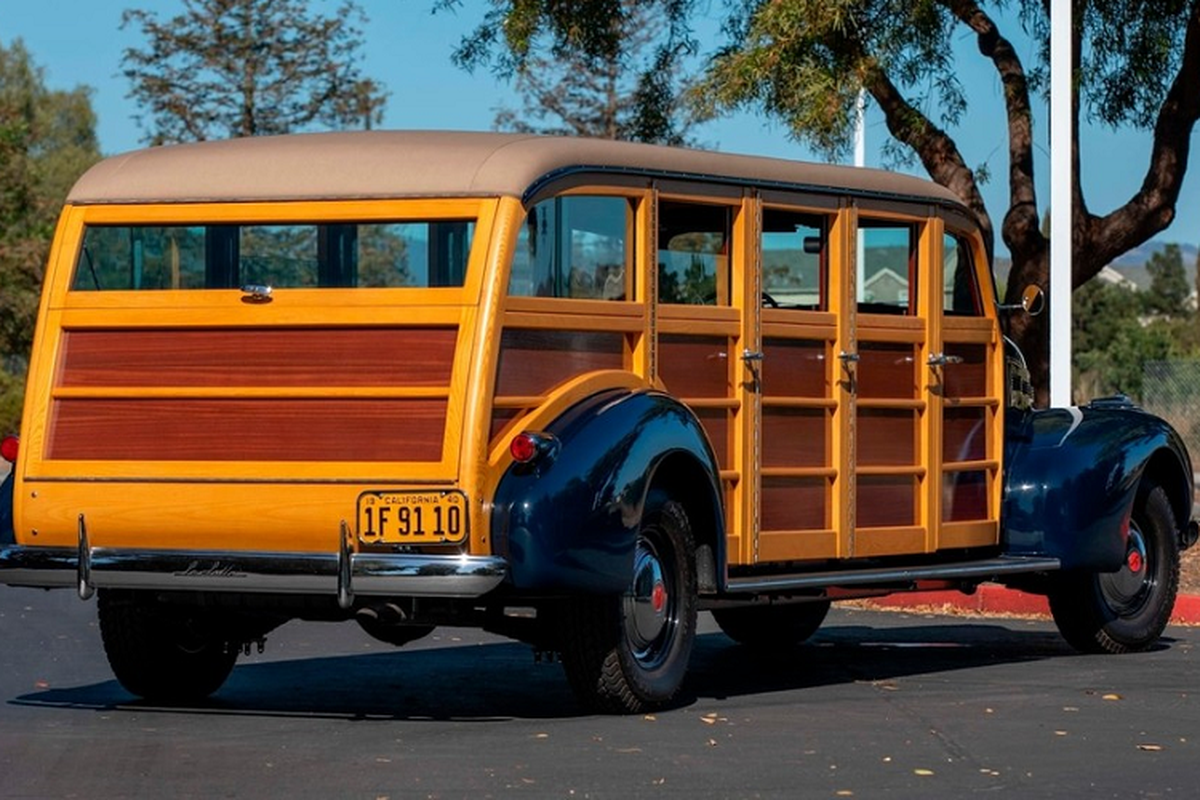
569,522
7,535
1072,476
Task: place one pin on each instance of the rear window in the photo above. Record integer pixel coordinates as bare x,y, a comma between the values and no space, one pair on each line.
417,254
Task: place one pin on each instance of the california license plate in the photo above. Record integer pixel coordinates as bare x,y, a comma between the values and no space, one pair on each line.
412,517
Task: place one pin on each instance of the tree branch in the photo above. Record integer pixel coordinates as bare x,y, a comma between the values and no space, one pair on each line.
1152,208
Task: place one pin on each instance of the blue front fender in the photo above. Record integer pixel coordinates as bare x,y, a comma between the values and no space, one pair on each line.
1072,476
569,522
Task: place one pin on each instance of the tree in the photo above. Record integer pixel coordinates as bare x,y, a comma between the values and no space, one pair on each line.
47,138
804,61
1168,292
227,68
632,92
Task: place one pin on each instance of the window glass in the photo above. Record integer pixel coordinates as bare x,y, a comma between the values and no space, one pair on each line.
960,290
576,246
693,253
793,259
387,254
886,265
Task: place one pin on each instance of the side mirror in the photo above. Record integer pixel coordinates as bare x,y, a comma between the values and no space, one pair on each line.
1033,300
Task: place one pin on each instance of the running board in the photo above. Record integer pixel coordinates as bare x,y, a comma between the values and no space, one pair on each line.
967,570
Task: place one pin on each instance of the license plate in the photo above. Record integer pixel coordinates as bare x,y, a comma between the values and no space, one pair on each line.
412,517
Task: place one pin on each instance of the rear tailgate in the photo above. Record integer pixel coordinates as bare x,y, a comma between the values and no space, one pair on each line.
216,420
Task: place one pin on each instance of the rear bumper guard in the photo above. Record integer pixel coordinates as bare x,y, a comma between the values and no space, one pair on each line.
343,573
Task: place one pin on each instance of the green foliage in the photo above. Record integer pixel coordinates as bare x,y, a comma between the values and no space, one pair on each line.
46,139
1110,344
1168,282
226,68
626,88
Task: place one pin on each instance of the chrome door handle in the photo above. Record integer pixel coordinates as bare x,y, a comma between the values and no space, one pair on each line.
849,358
941,359
752,355
256,293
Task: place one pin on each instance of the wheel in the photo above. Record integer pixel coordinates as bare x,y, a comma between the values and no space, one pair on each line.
399,635
164,653
772,626
1127,610
628,653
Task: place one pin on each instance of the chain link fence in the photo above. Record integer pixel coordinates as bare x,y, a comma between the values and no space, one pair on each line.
1171,389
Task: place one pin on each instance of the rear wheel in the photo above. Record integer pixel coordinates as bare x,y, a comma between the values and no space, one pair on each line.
628,653
164,653
1126,610
774,625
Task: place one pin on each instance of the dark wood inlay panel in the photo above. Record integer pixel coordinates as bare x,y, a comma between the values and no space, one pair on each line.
534,361
500,419
964,434
886,371
964,496
794,437
969,378
794,504
716,424
794,369
259,357
694,366
886,437
247,430
885,501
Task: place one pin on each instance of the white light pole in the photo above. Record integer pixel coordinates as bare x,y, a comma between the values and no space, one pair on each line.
1061,120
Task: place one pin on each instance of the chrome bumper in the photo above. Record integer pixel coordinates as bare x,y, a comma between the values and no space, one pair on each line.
343,574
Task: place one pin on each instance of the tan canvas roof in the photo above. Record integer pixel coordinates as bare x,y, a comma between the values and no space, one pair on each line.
375,164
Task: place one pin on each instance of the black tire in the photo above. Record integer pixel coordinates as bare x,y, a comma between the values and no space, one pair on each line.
163,653
398,635
774,626
629,653
1127,610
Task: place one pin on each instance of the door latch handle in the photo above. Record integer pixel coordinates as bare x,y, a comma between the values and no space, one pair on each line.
849,358
752,355
256,293
941,359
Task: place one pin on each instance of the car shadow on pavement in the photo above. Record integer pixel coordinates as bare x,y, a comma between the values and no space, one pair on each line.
500,681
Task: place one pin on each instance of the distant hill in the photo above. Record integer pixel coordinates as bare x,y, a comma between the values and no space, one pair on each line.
1132,265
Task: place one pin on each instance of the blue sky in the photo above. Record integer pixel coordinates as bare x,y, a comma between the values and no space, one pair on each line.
408,49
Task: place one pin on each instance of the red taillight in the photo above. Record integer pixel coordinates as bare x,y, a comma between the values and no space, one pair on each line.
523,448
528,447
9,447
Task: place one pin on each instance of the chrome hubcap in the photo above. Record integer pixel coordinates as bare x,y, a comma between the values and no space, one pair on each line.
1126,589
648,605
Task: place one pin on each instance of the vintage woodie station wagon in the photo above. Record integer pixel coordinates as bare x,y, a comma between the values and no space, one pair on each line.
570,391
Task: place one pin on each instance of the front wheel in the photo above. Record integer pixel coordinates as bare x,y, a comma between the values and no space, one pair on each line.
628,653
1126,610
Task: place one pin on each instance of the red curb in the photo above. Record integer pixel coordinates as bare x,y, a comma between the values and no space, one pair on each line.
995,599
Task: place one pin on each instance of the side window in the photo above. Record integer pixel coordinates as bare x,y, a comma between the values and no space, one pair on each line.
794,259
887,258
960,290
693,253
577,246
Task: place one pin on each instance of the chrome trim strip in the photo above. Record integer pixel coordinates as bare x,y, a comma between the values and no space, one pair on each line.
981,570
386,574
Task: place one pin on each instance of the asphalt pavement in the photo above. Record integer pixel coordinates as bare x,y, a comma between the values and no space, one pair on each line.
878,704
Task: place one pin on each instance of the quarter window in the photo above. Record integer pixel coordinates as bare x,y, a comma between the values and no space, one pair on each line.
576,246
